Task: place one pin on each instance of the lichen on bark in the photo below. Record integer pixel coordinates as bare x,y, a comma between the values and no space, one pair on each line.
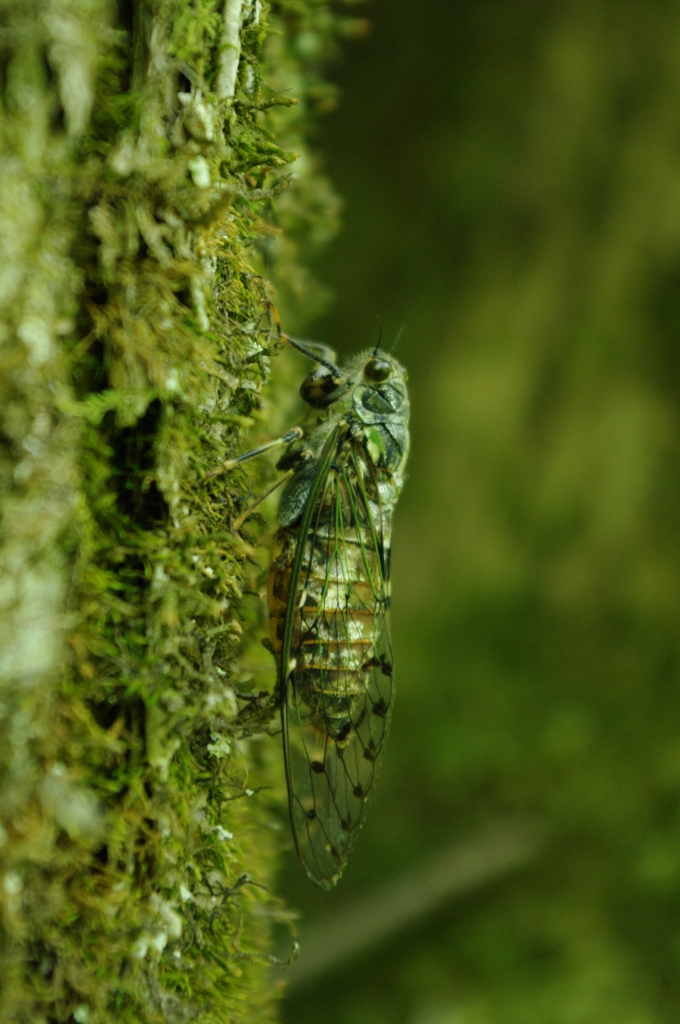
142,148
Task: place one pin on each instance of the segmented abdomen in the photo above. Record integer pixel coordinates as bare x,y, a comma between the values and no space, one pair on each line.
333,630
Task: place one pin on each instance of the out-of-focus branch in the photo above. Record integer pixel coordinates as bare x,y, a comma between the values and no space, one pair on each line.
411,897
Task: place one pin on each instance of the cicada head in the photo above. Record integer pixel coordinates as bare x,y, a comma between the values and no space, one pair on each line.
379,389
369,384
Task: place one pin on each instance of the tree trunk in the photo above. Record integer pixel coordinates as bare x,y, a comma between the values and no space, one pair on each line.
138,170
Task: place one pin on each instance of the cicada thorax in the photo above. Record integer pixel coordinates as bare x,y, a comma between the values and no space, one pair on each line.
337,601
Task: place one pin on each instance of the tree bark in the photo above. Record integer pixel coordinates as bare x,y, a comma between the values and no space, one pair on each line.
138,170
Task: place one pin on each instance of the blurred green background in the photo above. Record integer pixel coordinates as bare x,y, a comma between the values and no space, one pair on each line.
511,178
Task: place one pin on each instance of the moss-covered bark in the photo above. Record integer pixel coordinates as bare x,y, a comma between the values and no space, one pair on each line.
139,162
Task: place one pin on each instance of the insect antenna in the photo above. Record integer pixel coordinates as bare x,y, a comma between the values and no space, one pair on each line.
375,350
399,334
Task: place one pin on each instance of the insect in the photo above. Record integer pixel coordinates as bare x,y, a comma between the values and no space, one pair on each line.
329,594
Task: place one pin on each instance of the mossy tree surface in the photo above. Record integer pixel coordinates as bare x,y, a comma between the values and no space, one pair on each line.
139,163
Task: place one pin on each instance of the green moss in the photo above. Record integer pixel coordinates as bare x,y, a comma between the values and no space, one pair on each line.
137,852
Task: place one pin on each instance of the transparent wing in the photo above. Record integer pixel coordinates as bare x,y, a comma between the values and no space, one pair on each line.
337,691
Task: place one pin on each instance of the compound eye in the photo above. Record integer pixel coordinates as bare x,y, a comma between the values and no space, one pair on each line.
377,370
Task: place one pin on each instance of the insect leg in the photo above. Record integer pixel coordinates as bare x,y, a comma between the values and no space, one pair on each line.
237,524
293,435
313,350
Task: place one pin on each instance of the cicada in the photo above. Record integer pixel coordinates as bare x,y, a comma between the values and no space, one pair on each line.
329,595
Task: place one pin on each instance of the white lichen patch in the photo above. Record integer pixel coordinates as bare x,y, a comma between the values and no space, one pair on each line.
140,947
220,746
200,172
221,702
12,883
32,619
230,48
76,32
74,807
199,117
36,335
